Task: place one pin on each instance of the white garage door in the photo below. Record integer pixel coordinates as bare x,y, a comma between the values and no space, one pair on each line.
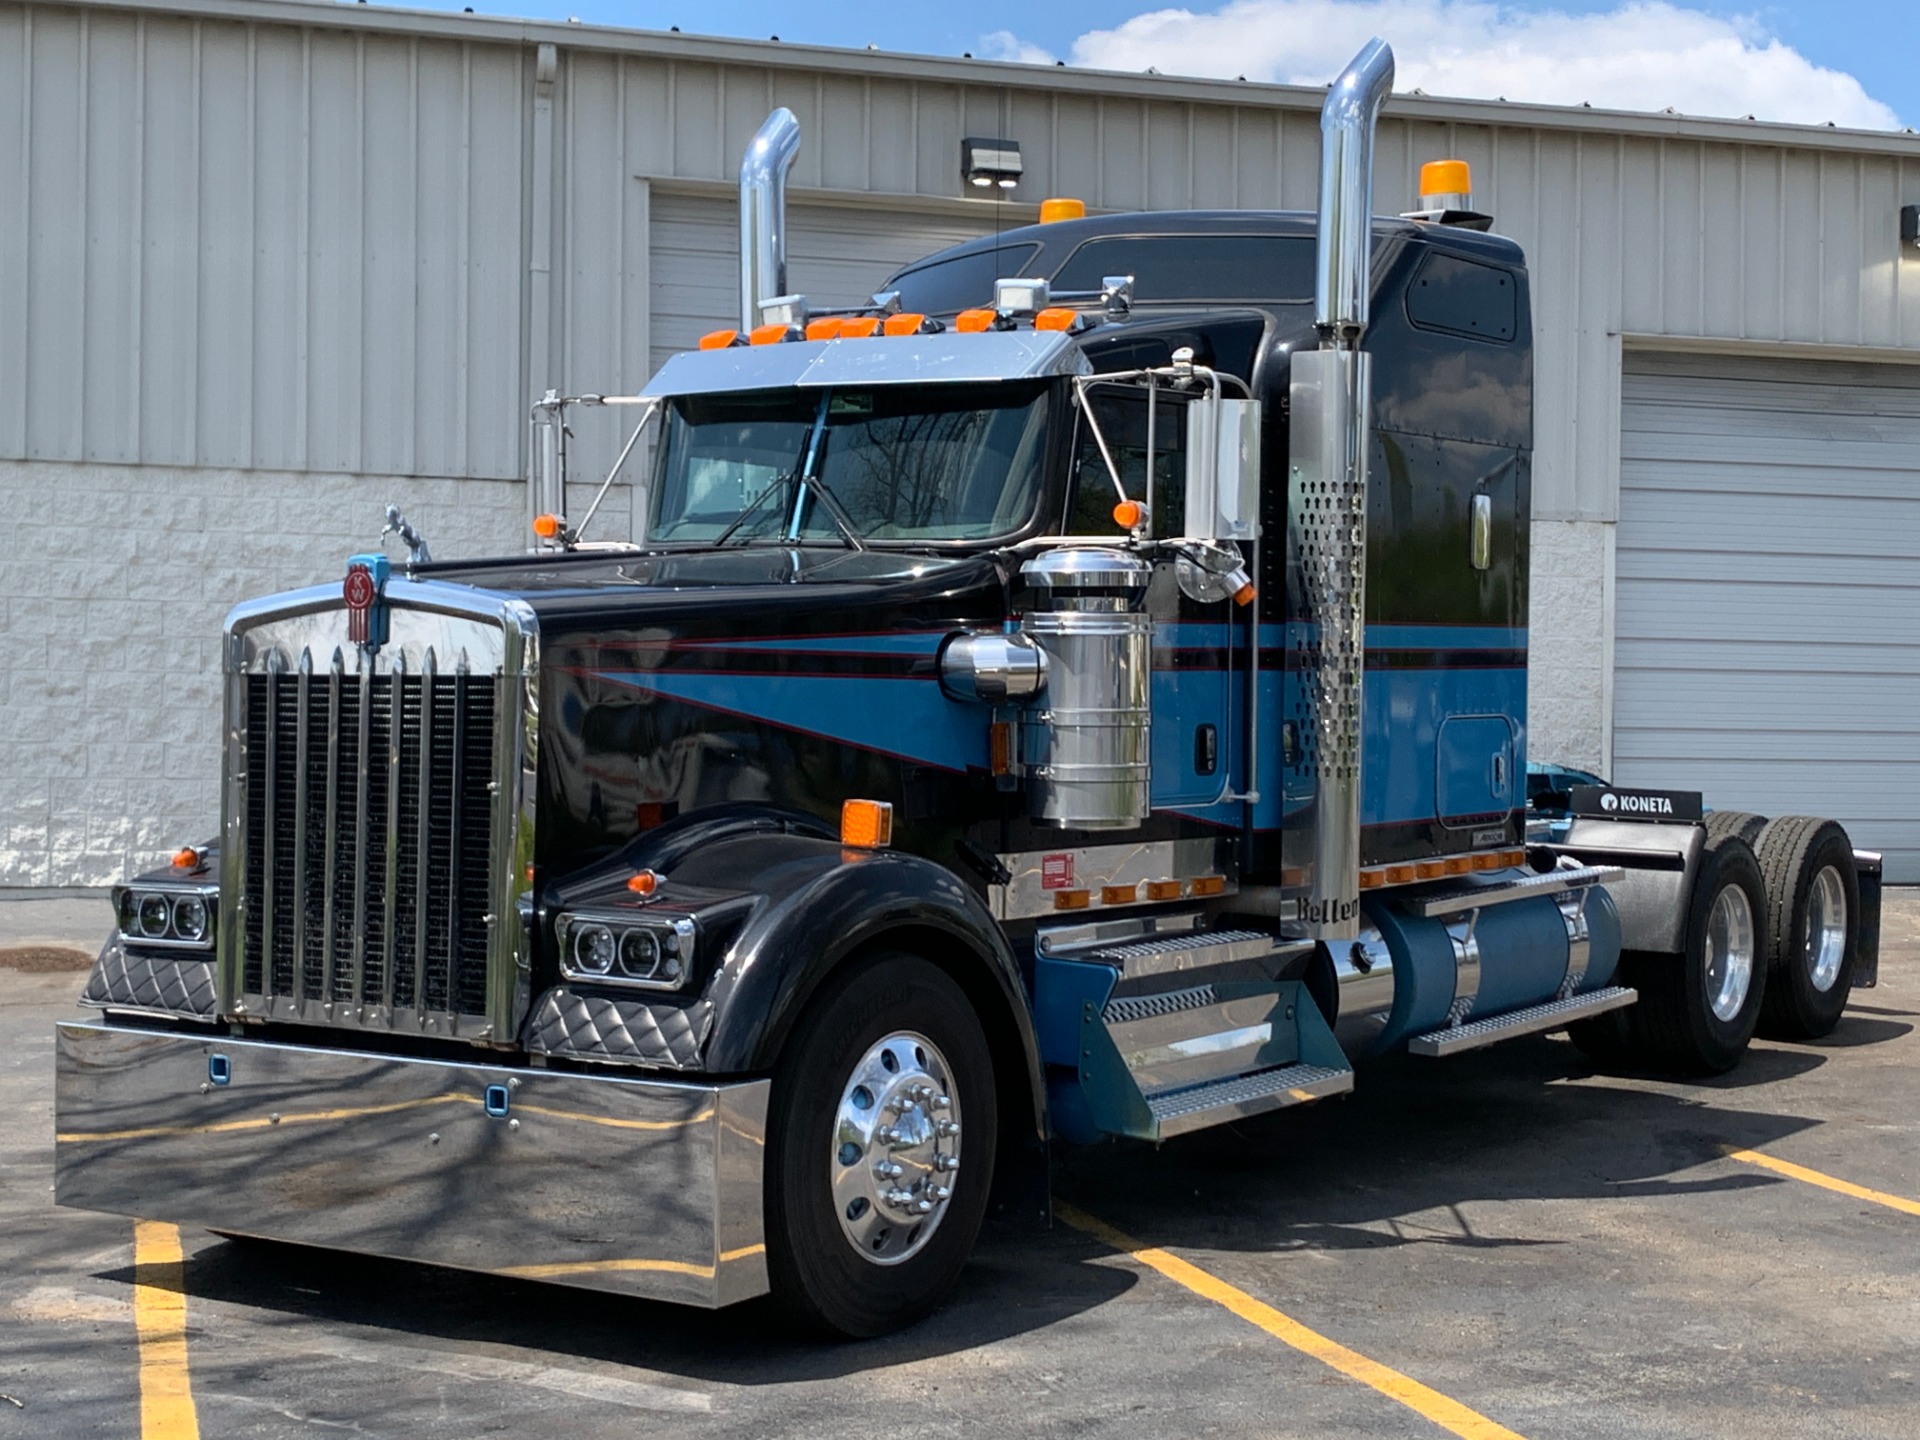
1767,621
836,255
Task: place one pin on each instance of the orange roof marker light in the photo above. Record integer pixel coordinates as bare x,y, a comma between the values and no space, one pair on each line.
1056,317
719,339
548,527
858,327
771,334
866,824
975,322
827,327
911,323
1062,207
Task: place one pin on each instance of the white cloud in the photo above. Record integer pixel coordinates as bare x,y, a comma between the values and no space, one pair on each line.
1005,45
1644,55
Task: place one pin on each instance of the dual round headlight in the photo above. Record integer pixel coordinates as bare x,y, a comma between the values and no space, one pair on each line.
647,954
166,916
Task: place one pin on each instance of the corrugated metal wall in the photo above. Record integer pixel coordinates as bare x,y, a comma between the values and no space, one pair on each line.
274,246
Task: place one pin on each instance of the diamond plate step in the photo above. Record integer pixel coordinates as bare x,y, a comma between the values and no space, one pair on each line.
1243,1095
1174,953
1128,1008
1554,1015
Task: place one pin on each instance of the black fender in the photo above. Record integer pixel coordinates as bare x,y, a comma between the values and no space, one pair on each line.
816,904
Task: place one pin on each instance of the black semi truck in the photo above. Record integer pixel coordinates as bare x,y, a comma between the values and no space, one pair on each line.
1080,694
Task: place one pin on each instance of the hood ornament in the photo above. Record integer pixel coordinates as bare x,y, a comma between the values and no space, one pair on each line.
417,553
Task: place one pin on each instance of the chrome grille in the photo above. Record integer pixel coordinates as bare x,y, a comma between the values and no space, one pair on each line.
366,804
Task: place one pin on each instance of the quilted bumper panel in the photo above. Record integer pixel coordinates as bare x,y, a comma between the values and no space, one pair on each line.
600,1027
180,984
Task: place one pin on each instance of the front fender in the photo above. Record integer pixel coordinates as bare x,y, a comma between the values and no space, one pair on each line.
823,903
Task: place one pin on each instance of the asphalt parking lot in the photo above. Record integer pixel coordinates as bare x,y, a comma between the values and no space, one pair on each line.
1502,1243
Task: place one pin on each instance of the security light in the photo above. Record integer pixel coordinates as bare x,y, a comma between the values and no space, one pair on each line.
990,163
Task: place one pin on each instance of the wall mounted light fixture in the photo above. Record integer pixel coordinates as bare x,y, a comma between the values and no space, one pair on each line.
990,164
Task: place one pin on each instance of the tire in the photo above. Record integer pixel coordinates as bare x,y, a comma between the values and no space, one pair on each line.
1735,822
847,1250
1697,1010
1811,949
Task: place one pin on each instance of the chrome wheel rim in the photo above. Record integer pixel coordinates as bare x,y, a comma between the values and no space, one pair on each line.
1826,928
1729,952
896,1148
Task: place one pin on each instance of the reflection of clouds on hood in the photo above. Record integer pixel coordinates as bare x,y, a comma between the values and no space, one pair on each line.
1643,55
1473,382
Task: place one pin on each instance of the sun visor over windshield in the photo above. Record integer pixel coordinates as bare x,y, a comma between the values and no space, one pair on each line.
876,360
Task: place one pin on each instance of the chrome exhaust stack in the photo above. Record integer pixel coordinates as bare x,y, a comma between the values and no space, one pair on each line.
763,214
1327,489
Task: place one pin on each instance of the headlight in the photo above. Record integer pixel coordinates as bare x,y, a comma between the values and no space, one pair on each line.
593,948
167,917
190,918
655,954
155,916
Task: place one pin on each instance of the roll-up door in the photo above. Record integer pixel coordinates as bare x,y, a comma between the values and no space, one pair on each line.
836,255
1767,620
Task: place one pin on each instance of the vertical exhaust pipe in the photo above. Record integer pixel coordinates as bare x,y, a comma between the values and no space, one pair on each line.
1327,477
763,213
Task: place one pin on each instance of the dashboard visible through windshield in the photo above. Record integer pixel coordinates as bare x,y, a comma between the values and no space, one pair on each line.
888,463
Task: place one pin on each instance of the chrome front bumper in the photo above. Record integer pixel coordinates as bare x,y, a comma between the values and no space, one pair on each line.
640,1187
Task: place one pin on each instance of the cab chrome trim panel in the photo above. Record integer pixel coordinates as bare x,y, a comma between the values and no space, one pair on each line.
637,1187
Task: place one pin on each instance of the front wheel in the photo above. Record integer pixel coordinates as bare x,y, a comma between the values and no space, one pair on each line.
869,1213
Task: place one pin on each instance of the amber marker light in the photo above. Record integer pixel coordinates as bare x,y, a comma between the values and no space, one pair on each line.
547,527
1446,177
866,824
1055,317
1244,595
1400,875
908,324
186,858
1072,899
827,327
1372,879
644,882
973,322
1164,889
771,333
1430,870
1062,207
859,327
1513,857
1129,514
718,339
1000,747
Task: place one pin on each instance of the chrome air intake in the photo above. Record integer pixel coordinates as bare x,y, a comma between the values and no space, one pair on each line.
1087,750
763,213
1327,490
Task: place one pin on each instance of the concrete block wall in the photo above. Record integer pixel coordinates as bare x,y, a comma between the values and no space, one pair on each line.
111,607
1570,644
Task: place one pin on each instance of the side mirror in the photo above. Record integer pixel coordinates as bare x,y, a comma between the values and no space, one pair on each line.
1223,469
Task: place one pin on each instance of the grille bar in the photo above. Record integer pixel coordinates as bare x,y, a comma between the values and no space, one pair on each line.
367,806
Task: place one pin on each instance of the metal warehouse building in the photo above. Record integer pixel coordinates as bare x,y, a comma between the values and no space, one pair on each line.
266,266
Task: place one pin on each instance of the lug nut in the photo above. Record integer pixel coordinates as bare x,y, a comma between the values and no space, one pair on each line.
898,1196
947,1129
946,1163
941,1102
887,1170
924,1207
940,1192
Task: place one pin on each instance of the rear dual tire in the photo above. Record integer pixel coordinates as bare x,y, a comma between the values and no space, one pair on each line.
1813,925
1697,1010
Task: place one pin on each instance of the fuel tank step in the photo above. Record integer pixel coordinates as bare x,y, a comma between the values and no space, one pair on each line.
1202,950
1554,1015
1179,1111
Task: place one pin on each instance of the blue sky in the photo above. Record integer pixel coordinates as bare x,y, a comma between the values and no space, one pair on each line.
1726,58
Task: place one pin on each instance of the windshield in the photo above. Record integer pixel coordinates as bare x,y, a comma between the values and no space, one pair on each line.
895,462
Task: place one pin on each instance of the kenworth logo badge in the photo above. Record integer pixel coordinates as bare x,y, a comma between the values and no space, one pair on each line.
364,591
1609,803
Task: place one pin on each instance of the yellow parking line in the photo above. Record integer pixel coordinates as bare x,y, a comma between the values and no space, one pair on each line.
160,1317
1825,1182
1431,1404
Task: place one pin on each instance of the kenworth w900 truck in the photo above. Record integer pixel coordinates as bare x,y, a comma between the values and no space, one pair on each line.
1080,694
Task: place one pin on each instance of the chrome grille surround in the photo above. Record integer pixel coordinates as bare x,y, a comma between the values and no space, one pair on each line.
361,898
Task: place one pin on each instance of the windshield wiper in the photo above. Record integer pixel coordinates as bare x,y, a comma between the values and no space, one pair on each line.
779,484
835,510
